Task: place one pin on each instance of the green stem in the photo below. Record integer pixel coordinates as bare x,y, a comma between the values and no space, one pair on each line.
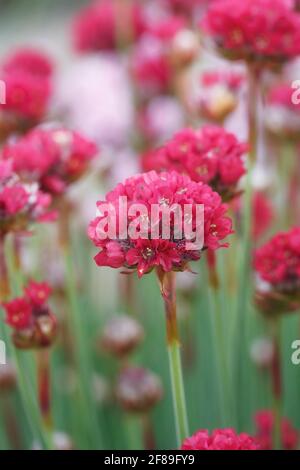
81,341
226,408
244,269
178,392
25,384
276,385
168,291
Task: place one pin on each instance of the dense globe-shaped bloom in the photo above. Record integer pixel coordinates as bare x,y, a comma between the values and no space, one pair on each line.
54,157
277,264
278,261
145,234
210,155
27,95
157,53
259,30
20,203
29,60
264,421
27,74
97,27
219,439
33,323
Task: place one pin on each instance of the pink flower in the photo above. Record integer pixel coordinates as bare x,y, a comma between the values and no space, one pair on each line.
33,323
20,204
29,60
265,422
95,27
54,157
278,261
228,78
254,29
210,154
27,94
38,292
219,439
18,313
147,249
151,67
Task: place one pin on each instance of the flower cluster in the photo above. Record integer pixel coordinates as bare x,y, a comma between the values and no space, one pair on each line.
219,94
282,115
98,26
220,439
31,61
146,251
254,30
54,157
20,203
264,421
278,265
210,155
27,76
278,261
167,46
31,319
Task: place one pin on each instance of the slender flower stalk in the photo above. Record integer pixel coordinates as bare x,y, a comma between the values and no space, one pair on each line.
276,385
4,281
44,393
25,385
168,292
78,330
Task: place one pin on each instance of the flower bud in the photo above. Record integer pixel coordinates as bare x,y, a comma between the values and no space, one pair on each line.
40,334
219,105
61,441
184,48
8,377
261,352
138,390
45,330
121,335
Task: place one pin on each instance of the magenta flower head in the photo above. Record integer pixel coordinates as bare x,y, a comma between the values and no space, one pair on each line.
27,75
99,26
264,421
159,221
55,157
220,439
33,323
20,203
210,155
277,264
261,31
29,60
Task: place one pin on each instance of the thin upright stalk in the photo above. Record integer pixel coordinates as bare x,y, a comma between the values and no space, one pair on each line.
43,383
78,329
244,268
4,281
25,385
168,291
276,385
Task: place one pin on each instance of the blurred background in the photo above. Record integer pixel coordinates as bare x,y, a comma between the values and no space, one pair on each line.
105,96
